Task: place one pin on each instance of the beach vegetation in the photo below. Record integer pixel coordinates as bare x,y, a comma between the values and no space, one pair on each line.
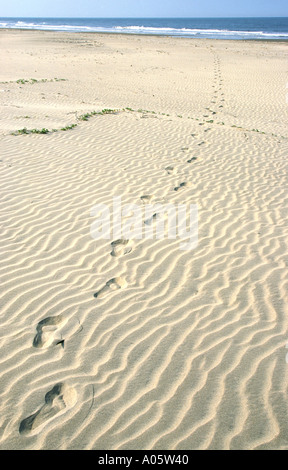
31,81
108,111
257,130
86,116
39,131
66,128
44,130
22,81
22,131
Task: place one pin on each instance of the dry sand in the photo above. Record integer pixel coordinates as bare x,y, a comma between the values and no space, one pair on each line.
142,345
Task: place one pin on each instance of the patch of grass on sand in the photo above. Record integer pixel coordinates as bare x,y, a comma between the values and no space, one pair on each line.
86,116
31,81
66,128
40,131
21,131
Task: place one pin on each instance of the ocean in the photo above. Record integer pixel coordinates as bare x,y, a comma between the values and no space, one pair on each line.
214,28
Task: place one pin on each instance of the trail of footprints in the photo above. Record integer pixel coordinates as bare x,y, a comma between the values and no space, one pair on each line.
218,97
218,94
49,330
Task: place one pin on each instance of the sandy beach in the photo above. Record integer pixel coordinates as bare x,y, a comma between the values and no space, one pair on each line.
117,343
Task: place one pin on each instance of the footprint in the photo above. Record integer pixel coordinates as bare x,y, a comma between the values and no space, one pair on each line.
121,247
170,170
56,400
114,284
46,330
147,198
192,159
157,215
183,185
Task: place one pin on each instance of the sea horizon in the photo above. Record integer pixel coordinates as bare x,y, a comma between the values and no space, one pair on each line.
265,28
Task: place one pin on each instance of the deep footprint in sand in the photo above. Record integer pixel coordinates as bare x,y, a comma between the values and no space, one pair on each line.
183,186
112,285
121,247
46,330
59,398
192,159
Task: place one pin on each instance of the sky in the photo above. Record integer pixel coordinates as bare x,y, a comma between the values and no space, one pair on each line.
142,8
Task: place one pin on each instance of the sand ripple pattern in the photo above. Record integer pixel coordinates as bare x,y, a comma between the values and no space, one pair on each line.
136,344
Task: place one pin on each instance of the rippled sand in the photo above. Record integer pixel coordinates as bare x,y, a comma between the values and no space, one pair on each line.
116,344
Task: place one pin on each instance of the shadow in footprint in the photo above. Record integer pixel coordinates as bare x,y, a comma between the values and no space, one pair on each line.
183,186
112,285
147,198
170,170
121,247
46,330
56,400
156,217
